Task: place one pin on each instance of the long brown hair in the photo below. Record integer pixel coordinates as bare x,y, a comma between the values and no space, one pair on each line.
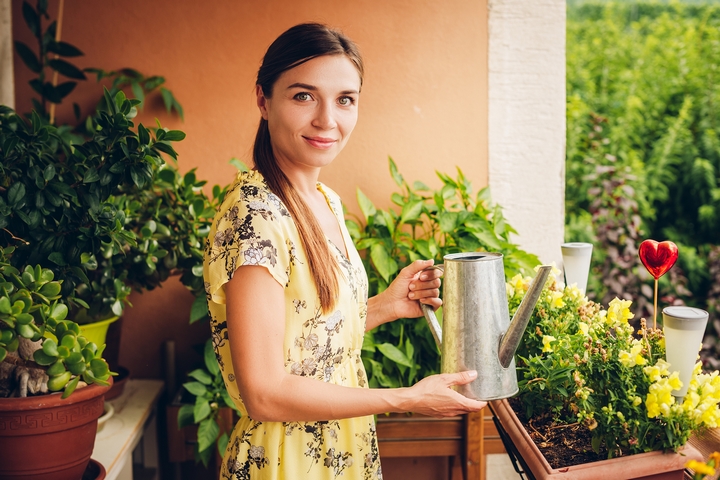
294,47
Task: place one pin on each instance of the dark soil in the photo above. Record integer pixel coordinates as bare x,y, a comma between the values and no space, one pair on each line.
562,445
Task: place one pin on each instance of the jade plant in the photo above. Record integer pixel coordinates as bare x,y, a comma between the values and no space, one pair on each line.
31,310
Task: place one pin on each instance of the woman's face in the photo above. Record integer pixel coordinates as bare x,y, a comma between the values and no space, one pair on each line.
312,112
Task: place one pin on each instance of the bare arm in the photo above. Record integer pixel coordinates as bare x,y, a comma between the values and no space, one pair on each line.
256,326
400,300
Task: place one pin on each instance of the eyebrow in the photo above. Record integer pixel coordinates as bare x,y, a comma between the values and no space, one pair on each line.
312,88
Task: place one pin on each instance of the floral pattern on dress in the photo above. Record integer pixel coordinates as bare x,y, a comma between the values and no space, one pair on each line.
240,470
253,227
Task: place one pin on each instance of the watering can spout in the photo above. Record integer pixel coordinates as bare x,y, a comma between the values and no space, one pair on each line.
511,339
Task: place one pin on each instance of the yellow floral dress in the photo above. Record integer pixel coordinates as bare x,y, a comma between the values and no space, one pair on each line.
253,227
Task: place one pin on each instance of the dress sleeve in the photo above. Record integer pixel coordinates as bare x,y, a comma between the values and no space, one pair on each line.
250,228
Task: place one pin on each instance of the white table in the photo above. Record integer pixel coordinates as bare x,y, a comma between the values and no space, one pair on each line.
131,431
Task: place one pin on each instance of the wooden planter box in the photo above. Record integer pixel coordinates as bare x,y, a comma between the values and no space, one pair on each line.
643,466
181,442
465,440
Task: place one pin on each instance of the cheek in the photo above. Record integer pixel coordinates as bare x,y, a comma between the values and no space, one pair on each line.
348,120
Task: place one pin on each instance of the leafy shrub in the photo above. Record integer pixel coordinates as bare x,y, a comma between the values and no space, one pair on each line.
641,101
429,224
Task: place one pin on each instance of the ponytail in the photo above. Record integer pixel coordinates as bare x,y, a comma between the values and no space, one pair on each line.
323,266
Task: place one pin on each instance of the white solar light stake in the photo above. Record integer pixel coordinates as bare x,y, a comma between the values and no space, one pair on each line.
576,263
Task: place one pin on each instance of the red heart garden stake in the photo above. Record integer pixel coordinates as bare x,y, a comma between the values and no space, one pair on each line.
658,258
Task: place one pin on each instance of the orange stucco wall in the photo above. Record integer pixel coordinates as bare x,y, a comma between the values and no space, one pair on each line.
424,100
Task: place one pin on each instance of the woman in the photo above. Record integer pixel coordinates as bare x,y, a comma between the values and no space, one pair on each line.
287,290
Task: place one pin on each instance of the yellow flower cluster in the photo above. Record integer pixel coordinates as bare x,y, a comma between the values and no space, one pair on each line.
704,468
517,285
701,400
659,399
634,356
618,314
700,468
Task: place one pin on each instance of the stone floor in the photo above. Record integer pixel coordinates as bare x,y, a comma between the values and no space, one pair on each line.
499,467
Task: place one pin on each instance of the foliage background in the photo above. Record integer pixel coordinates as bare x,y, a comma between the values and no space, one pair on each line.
643,146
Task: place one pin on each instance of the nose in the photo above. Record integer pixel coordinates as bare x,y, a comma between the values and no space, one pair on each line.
324,116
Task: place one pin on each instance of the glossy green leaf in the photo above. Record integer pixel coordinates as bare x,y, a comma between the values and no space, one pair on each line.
185,416
64,49
201,376
5,306
199,309
208,431
366,206
394,354
50,347
411,211
382,260
201,410
41,358
211,362
67,69
70,388
28,57
196,388
395,173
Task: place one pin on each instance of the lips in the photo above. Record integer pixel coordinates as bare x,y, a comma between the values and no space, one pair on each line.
322,143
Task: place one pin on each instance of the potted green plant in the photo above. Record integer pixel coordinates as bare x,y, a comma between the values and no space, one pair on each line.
429,224
72,232
71,192
586,374
60,445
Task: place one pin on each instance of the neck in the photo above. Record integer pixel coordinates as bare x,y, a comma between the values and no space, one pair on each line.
304,180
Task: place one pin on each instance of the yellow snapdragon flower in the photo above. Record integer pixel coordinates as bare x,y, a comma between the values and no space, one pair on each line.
634,356
618,312
519,284
555,299
547,339
584,329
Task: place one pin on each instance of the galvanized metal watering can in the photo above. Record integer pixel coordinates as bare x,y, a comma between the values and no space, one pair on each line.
477,332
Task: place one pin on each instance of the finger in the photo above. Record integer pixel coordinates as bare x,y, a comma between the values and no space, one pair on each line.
425,285
433,302
430,274
413,270
462,378
424,294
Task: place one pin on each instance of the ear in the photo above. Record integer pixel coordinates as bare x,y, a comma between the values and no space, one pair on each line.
261,101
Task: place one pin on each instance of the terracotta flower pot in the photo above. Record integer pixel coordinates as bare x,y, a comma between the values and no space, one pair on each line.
45,437
642,466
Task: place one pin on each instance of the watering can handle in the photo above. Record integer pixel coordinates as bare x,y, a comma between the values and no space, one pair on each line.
430,313
432,323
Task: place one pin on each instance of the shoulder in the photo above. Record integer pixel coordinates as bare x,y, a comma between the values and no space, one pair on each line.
333,197
249,194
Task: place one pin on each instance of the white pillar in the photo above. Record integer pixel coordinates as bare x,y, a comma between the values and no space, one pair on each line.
526,133
7,83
